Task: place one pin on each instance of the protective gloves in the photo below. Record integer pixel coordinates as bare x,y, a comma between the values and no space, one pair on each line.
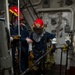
31,55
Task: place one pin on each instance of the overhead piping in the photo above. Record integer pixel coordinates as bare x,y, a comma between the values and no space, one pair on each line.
33,8
28,10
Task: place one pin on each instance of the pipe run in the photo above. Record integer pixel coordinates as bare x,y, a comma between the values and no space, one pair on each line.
18,17
7,15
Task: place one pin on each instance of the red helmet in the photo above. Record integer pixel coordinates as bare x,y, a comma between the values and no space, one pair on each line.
38,23
14,10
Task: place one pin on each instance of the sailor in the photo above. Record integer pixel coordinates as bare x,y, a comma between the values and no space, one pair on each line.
19,42
40,38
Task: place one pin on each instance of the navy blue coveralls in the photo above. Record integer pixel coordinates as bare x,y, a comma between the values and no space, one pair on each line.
24,49
39,48
14,45
24,46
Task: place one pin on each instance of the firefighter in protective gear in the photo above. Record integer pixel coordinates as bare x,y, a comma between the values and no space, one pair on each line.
40,38
14,36
23,39
24,45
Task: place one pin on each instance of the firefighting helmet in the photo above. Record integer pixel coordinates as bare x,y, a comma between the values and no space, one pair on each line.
14,10
38,26
38,23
